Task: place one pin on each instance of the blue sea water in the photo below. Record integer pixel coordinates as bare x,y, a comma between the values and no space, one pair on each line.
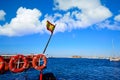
72,69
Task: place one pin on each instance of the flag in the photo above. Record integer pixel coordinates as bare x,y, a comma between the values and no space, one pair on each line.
50,26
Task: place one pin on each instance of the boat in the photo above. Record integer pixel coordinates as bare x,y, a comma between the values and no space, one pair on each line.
18,63
114,59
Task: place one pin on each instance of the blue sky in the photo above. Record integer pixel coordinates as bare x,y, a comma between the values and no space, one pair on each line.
83,27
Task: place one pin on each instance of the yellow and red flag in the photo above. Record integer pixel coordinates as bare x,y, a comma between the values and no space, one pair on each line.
50,26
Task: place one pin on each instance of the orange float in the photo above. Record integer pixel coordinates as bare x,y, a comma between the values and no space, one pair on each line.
36,62
1,63
18,63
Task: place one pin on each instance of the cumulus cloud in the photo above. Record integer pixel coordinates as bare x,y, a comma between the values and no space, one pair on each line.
89,12
112,25
76,14
107,24
117,18
81,4
25,22
2,15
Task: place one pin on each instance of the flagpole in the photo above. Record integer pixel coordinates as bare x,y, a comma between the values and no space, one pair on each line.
48,42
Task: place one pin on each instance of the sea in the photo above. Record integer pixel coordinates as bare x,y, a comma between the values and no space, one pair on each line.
71,69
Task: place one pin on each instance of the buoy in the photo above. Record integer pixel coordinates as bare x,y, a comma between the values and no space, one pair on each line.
18,63
36,62
2,64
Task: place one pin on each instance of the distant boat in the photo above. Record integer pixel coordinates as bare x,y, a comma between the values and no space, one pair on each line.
114,58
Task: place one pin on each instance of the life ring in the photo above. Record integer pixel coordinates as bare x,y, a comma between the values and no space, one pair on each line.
1,63
15,63
36,61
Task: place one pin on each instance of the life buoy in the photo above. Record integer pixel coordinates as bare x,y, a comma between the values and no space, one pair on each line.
1,63
15,64
36,62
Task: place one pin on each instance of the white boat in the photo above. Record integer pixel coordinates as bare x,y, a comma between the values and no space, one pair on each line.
114,59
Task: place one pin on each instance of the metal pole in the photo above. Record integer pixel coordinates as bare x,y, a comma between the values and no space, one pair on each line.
47,43
41,76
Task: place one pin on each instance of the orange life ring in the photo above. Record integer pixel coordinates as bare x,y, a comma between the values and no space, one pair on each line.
1,63
14,60
36,60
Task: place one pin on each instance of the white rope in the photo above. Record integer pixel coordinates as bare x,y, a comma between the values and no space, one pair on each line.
18,63
39,62
1,62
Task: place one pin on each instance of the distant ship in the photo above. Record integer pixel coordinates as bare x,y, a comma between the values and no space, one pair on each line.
114,58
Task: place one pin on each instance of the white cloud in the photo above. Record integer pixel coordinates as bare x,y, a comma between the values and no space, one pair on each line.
25,22
90,12
117,18
81,4
2,15
107,24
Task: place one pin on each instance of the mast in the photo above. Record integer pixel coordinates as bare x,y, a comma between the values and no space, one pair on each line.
113,48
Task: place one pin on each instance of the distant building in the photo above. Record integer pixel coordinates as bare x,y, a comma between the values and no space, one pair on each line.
75,56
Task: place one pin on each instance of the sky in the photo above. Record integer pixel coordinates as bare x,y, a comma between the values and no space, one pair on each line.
83,27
